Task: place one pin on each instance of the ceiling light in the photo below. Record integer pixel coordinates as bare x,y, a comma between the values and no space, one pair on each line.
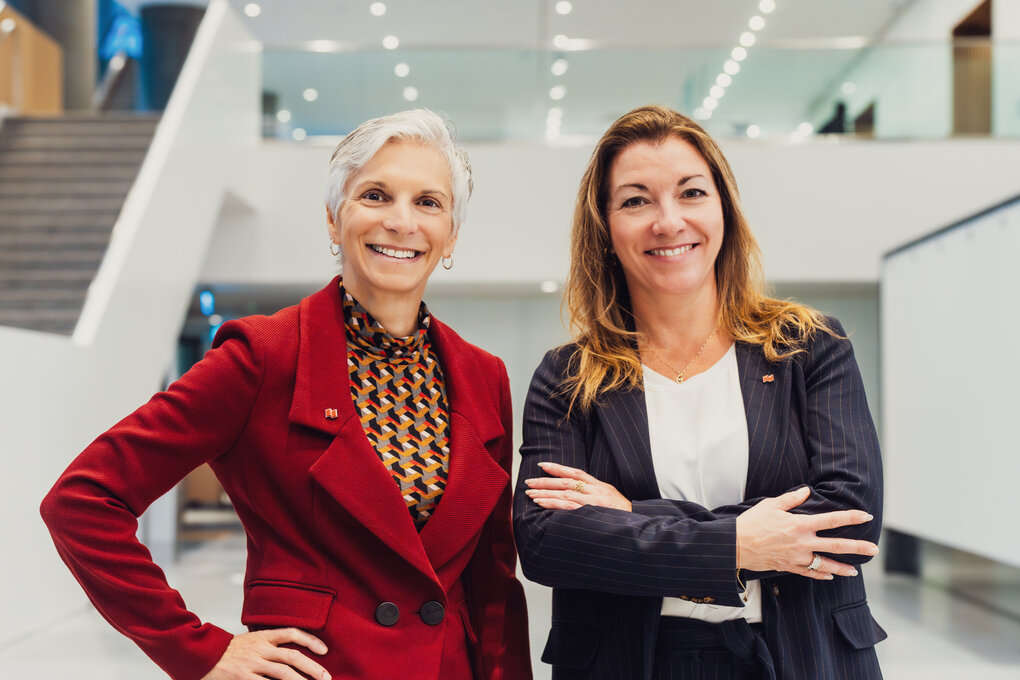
563,7
549,286
805,128
321,46
253,9
723,80
561,41
298,134
717,92
701,113
310,95
553,123
552,133
731,67
766,6
738,54
402,70
756,23
753,131
710,103
283,115
377,8
557,92
559,67
8,25
848,88
410,93
554,112
391,42
747,38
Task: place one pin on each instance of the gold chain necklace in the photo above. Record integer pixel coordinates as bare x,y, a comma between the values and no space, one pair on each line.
680,374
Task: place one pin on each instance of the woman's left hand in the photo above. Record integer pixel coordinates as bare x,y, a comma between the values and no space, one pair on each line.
569,488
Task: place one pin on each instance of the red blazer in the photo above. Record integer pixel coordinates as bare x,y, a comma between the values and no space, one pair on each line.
329,536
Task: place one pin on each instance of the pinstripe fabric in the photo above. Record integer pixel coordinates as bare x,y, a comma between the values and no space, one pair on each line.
609,569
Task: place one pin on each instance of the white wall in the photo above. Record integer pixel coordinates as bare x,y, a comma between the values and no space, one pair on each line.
823,211
57,394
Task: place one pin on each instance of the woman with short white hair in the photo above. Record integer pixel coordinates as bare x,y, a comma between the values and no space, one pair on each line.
366,448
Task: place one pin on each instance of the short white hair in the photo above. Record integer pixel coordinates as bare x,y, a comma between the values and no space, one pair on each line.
418,125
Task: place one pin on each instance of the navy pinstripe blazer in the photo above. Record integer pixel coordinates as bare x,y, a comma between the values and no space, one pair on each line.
610,569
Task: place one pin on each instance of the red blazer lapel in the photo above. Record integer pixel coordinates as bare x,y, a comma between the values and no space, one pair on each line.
475,480
349,470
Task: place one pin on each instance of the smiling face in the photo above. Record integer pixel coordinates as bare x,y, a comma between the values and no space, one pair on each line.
665,222
395,222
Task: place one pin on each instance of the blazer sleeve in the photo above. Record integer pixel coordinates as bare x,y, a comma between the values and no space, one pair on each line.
603,549
497,596
92,509
844,461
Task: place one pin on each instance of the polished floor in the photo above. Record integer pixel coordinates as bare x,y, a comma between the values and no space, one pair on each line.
957,623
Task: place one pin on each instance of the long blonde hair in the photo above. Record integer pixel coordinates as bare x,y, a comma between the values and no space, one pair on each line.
606,355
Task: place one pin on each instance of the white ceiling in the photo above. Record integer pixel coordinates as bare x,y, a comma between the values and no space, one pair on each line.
485,63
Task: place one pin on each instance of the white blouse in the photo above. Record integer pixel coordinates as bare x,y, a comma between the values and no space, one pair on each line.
698,432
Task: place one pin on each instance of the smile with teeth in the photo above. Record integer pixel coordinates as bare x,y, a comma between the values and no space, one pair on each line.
394,252
672,252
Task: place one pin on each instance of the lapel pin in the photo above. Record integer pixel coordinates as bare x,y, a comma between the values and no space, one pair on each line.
768,378
331,413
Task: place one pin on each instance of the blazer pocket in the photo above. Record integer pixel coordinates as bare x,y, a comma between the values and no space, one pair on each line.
571,645
858,627
283,603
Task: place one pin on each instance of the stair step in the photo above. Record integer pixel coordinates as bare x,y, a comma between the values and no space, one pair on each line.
58,221
67,279
42,172
97,127
54,240
63,143
38,206
23,258
54,327
72,157
49,320
71,188
30,298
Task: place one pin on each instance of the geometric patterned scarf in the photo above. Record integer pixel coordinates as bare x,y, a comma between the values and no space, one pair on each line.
397,388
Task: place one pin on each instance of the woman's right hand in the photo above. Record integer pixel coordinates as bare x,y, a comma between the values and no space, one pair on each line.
771,538
258,655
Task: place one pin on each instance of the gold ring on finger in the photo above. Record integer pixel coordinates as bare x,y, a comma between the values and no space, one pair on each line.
578,486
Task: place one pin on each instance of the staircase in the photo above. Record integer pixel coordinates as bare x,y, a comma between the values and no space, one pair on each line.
62,184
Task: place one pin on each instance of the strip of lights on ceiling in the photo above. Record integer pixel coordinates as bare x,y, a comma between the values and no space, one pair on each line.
732,66
559,67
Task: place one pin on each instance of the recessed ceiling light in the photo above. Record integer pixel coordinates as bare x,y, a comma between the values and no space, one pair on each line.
731,67
756,23
717,92
555,112
701,113
552,133
321,46
283,115
767,6
410,93
549,286
310,94
391,42
253,9
738,54
563,7
709,103
805,128
298,134
753,131
747,38
723,79
377,8
561,41
559,67
557,92
848,88
402,70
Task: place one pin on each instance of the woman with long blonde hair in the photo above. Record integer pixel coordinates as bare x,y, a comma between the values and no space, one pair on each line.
700,474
